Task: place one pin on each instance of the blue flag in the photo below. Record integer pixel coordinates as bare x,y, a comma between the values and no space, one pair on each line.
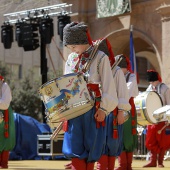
132,54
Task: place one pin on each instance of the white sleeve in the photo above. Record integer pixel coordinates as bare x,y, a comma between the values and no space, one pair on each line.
166,94
67,66
71,63
122,91
6,97
132,86
109,99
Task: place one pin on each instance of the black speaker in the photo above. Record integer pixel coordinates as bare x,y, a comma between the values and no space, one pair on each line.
30,36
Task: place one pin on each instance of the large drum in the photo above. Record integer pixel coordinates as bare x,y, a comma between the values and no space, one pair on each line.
66,97
146,103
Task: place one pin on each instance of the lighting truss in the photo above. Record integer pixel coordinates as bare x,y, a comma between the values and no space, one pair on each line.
27,38
59,9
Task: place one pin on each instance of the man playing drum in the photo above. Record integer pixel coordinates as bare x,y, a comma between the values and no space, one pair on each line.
85,137
129,127
156,142
114,140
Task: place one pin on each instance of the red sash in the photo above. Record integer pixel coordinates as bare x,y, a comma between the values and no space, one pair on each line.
133,112
6,126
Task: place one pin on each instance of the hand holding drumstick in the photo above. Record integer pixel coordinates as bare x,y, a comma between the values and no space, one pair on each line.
160,131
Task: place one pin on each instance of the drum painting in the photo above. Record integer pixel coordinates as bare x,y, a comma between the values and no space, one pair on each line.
66,97
146,103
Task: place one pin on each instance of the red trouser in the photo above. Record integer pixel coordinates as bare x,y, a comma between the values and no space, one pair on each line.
156,141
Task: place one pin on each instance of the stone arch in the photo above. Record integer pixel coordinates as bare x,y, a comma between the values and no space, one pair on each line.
151,59
144,46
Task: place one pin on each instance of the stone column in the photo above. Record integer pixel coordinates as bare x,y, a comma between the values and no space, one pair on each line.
164,11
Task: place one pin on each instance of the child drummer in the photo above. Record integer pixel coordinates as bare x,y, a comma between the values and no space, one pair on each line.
85,138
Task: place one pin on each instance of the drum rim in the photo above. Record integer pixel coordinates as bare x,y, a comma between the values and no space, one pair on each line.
58,78
149,120
144,110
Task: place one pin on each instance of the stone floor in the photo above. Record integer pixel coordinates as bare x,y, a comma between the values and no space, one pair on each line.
59,165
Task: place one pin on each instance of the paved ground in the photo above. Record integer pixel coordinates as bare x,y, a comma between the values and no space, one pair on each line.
59,165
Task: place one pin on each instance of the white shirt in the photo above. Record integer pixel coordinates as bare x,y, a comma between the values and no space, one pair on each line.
99,73
132,85
6,97
164,92
121,88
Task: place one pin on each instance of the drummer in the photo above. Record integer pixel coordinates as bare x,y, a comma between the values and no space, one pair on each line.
115,120
129,127
84,140
155,142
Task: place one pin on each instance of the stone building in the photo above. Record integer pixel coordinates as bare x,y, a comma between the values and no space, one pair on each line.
150,20
151,25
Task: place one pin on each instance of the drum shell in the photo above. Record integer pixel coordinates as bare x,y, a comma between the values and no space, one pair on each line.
66,97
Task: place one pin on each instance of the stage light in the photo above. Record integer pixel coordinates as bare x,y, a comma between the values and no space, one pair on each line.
63,20
7,35
18,34
46,30
30,37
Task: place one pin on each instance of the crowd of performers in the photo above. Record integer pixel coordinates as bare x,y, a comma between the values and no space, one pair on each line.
111,136
103,133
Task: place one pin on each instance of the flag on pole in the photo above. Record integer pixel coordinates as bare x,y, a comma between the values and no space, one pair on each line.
132,54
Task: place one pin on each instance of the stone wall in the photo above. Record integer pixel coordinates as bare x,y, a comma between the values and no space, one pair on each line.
151,32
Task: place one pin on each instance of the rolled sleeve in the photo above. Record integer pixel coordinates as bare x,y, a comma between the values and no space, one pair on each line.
123,104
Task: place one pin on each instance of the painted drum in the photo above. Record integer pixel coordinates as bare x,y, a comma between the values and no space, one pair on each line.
66,97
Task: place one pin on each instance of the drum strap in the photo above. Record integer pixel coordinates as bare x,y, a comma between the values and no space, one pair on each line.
133,113
159,88
127,78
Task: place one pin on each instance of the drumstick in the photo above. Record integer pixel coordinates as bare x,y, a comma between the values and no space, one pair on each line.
57,130
160,131
92,55
117,62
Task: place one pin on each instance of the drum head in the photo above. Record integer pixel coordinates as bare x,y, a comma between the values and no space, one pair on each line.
153,102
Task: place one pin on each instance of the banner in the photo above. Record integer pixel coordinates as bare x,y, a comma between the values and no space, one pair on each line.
108,8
